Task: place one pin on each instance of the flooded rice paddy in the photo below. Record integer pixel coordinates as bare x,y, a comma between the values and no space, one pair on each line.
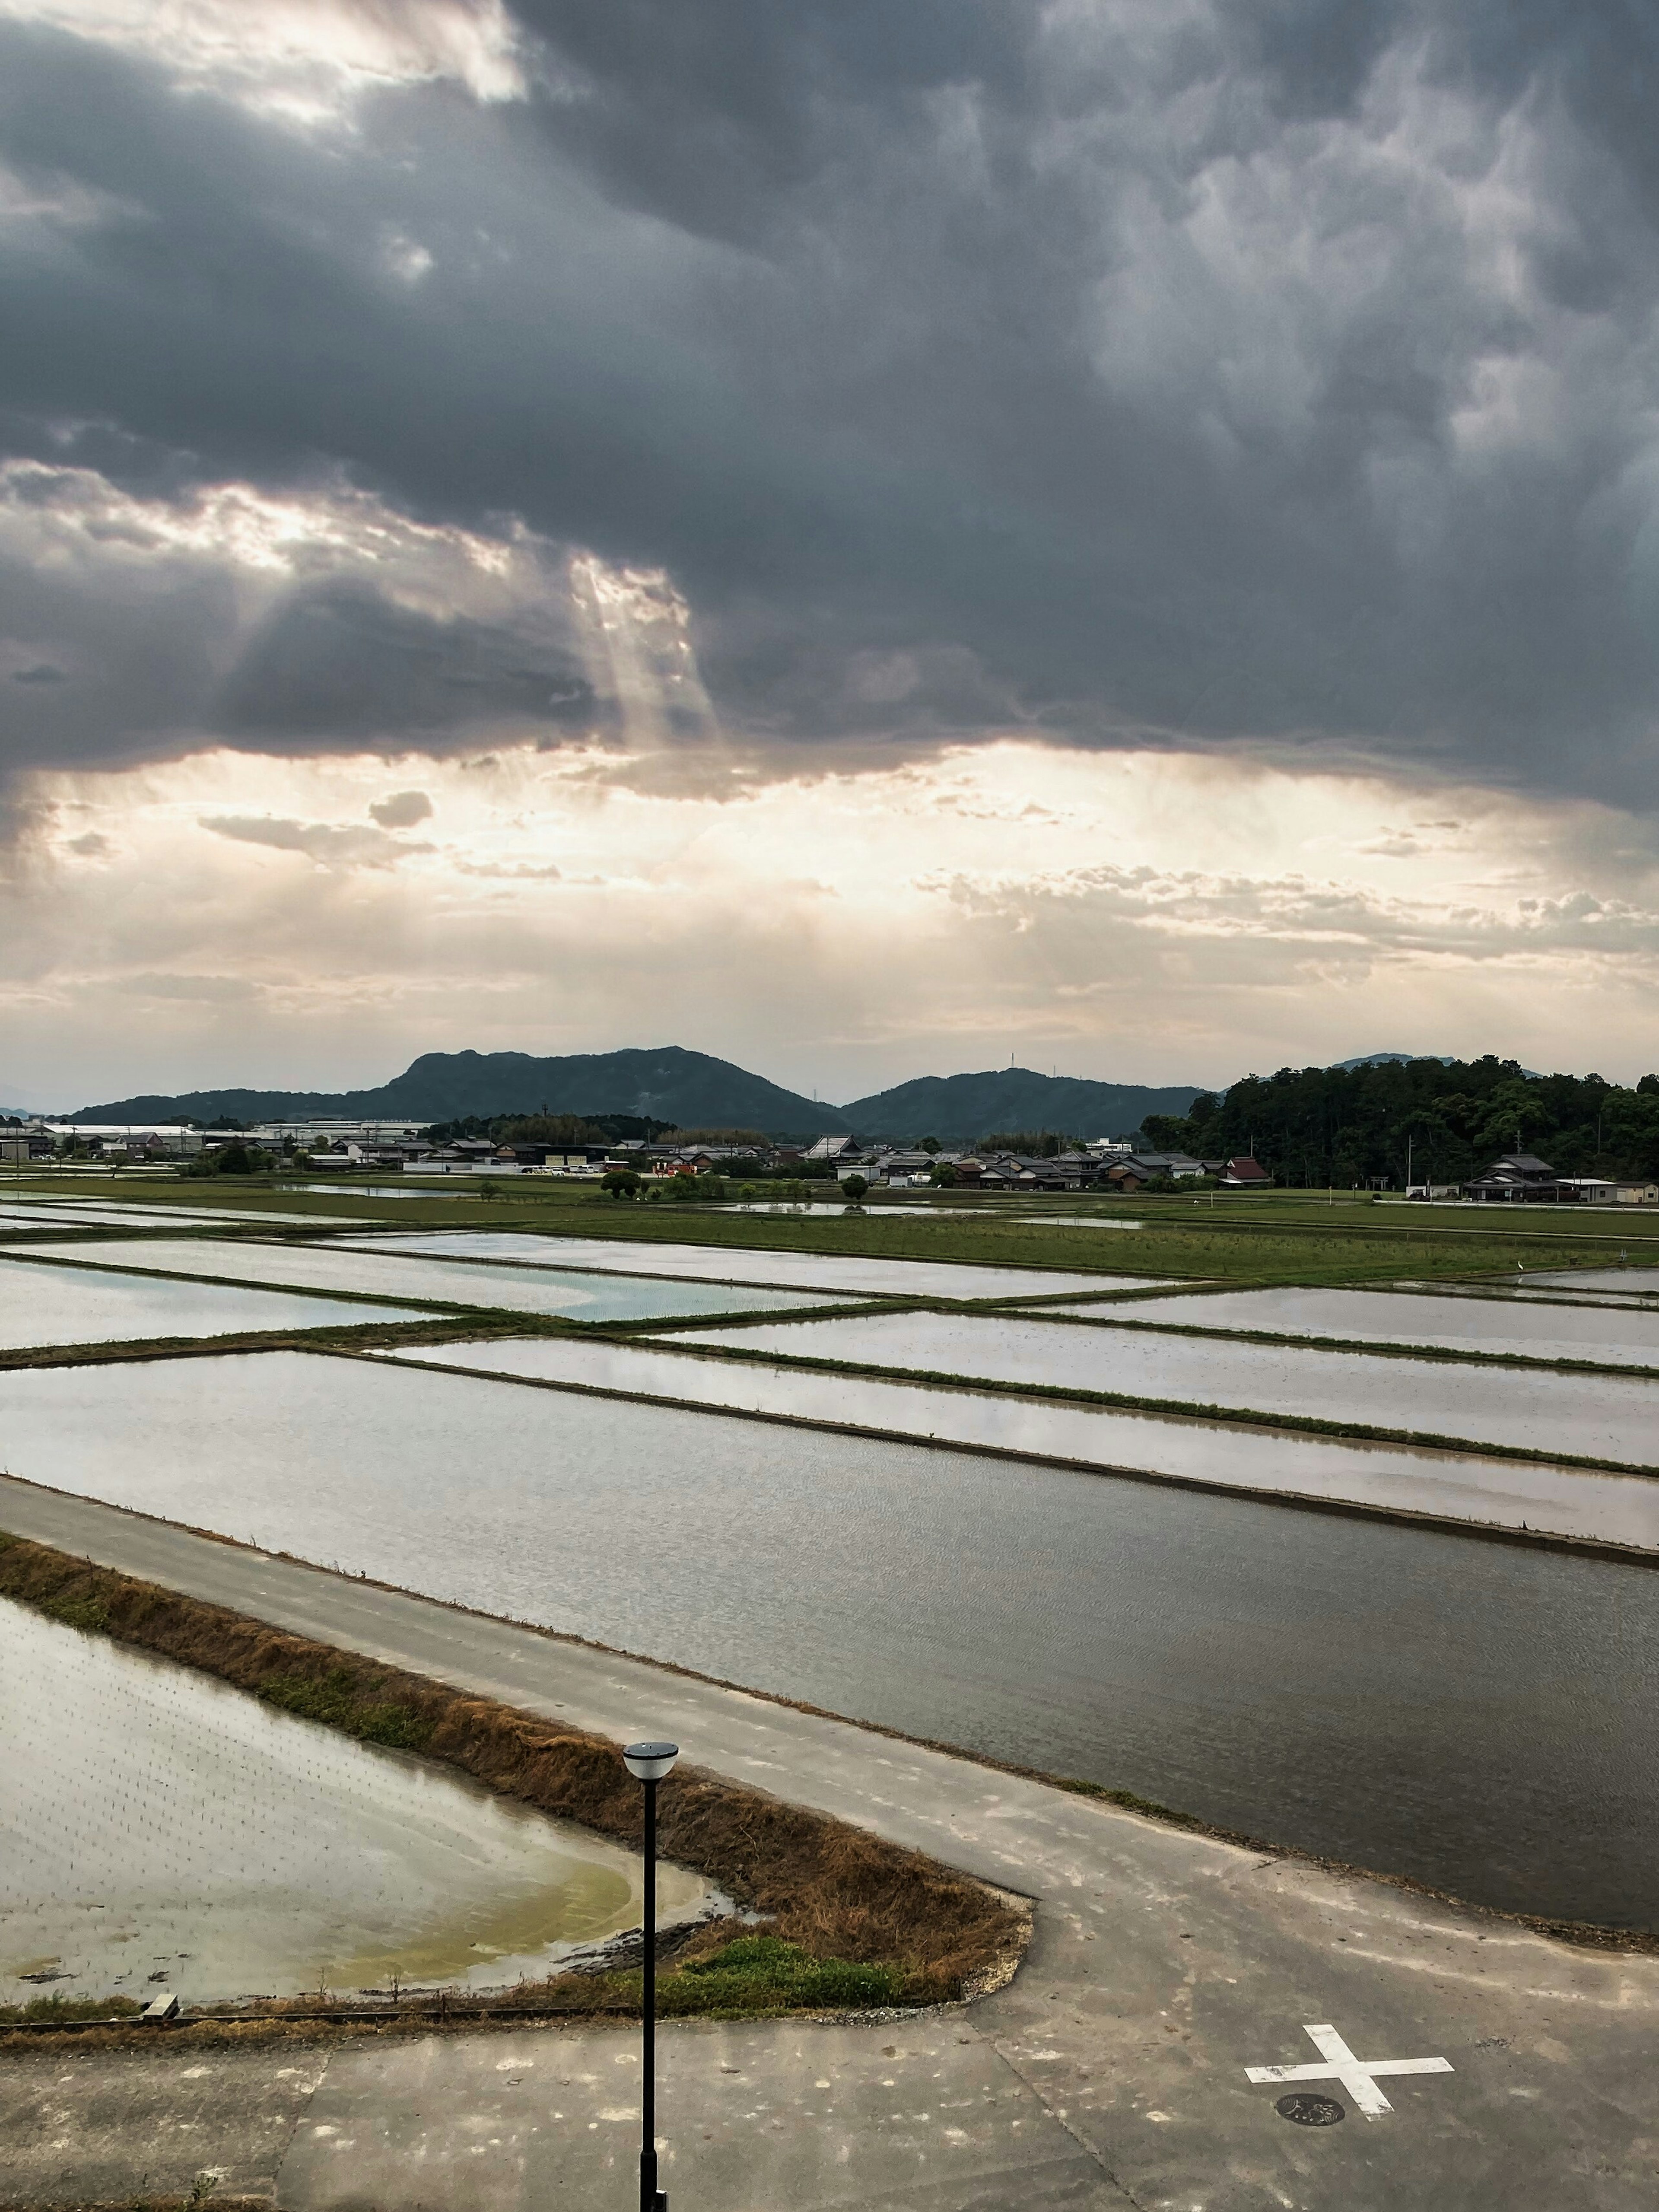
839,1273
381,1190
145,1215
42,1304
1490,1325
880,1208
1481,1715
17,1220
330,1267
1617,1509
1603,1416
165,1832
1642,1281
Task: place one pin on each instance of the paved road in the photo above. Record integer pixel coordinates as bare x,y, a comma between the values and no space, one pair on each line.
1112,2073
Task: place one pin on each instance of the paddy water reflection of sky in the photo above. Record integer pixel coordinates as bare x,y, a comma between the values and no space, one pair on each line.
845,1273
1481,1715
40,1304
1608,1338
1606,1416
1617,1509
332,1268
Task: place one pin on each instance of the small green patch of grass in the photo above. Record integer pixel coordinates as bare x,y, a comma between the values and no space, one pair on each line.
1130,1800
764,1974
59,2008
87,1612
337,1698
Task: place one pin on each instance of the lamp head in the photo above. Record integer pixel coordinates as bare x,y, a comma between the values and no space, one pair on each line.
649,1762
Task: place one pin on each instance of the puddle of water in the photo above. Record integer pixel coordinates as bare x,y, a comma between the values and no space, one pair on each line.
1614,1339
40,1304
164,1831
1620,1508
839,1272
1604,1416
1482,1717
333,1267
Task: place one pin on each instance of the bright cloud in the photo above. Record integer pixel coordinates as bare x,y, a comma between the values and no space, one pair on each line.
1145,915
306,61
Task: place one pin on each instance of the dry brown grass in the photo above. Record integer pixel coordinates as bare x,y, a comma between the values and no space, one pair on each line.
833,1889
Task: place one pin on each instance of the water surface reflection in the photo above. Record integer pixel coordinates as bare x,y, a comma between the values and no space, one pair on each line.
1480,1716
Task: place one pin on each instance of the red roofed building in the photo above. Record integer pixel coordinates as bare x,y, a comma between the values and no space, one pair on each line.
1245,1174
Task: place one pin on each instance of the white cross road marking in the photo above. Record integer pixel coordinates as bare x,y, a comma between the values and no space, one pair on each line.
1357,2075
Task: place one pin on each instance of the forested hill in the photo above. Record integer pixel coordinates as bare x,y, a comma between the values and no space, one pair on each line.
1315,1126
689,1088
960,1109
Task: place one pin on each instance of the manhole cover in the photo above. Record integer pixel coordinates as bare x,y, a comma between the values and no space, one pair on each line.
1308,2110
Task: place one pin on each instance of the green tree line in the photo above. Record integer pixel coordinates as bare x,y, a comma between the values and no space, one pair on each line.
549,1129
1342,1126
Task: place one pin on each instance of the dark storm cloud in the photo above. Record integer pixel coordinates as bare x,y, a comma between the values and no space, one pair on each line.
1279,372
343,663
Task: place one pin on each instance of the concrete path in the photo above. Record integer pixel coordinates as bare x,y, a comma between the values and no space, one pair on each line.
1112,2072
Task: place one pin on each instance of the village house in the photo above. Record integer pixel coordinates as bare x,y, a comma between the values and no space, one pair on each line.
1245,1174
1141,1167
1516,1178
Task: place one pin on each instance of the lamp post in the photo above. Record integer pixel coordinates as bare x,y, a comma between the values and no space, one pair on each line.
648,1762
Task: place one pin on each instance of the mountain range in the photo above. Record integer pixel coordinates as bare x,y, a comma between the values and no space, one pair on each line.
691,1089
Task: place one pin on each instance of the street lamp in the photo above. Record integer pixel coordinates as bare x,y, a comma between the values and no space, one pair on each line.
648,1762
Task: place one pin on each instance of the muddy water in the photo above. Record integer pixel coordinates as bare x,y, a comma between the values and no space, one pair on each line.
42,1305
1483,1717
163,1831
1606,1416
326,1267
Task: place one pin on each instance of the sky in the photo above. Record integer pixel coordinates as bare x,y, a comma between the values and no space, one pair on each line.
867,540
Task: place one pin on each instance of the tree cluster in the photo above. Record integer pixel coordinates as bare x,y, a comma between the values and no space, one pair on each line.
1029,1144
1312,1126
756,1139
550,1128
